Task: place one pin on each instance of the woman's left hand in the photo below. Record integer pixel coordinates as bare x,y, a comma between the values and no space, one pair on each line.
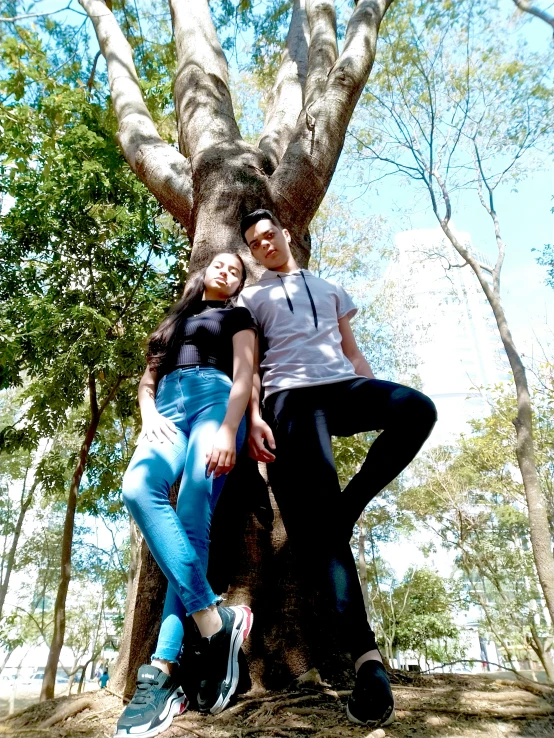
221,459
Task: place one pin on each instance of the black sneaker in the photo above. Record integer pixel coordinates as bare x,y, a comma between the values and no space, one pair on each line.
220,667
371,702
157,699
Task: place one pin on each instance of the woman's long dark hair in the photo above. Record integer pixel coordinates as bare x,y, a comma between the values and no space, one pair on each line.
163,343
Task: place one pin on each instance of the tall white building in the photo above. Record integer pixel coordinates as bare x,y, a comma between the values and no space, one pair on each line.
456,338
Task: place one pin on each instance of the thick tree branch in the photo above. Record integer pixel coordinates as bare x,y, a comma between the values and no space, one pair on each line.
323,47
300,181
286,99
203,103
158,165
527,7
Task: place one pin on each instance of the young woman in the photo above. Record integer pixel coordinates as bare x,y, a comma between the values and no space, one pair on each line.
192,397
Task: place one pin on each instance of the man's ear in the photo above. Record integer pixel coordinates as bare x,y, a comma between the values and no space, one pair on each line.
287,235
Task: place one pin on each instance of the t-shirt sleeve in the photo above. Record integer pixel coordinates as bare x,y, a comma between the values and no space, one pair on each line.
244,302
345,304
241,320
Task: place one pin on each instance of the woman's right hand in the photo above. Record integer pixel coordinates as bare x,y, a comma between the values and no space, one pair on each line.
156,427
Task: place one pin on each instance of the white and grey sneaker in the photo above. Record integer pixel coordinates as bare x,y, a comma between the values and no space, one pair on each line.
157,699
219,659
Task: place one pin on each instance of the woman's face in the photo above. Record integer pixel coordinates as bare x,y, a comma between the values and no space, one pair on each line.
223,277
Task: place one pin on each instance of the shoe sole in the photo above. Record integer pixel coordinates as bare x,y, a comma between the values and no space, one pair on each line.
178,704
388,719
241,630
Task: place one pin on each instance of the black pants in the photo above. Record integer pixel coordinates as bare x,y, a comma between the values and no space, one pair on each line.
318,517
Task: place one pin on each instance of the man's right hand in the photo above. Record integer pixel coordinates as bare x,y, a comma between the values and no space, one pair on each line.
260,432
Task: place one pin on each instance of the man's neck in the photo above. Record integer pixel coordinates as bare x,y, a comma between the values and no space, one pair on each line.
287,267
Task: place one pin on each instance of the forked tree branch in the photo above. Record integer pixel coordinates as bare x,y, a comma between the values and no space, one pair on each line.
158,165
287,96
323,51
203,103
300,181
527,7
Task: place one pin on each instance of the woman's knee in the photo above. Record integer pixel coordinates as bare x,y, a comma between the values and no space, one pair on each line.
131,490
139,484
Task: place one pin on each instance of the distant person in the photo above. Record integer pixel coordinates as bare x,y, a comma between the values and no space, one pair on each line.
192,396
104,679
316,384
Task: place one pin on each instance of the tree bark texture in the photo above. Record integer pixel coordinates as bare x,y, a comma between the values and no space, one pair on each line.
214,180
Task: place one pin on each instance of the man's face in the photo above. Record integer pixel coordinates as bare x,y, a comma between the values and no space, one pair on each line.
269,244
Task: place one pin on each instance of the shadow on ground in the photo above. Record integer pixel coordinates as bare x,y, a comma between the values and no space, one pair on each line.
440,706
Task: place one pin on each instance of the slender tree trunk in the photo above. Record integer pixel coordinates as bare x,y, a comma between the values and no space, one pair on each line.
49,681
537,506
543,655
25,504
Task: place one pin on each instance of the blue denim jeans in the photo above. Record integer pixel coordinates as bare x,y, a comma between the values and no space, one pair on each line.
195,399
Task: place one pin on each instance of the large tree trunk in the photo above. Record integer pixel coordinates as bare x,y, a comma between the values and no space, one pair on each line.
216,179
251,563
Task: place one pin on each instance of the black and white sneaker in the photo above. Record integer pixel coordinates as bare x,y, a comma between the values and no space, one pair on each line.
157,699
371,702
219,653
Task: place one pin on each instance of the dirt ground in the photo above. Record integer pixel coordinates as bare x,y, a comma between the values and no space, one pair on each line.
441,706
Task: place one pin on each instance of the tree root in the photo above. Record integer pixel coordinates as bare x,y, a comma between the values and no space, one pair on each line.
268,709
278,730
541,690
67,711
181,719
509,713
307,711
115,694
326,732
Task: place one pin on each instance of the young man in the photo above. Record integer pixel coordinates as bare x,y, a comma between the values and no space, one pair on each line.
317,384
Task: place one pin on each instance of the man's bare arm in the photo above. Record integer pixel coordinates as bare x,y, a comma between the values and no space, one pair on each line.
351,350
259,429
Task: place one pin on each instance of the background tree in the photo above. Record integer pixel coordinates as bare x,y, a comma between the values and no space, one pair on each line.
469,114
471,498
80,243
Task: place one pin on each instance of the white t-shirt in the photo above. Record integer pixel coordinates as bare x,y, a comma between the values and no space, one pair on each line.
301,335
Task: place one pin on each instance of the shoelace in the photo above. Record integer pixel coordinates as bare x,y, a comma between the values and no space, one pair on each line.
143,693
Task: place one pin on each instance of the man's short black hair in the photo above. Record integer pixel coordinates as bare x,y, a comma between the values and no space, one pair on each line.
252,218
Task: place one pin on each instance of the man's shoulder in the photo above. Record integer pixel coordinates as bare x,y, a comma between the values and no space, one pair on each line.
325,284
250,291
